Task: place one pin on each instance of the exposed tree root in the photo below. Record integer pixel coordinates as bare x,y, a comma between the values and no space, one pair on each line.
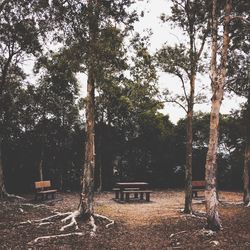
181,232
54,236
71,217
5,194
231,203
111,222
207,232
32,205
44,219
94,227
196,214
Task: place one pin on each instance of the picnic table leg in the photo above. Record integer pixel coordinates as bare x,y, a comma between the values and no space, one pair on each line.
136,195
127,196
147,196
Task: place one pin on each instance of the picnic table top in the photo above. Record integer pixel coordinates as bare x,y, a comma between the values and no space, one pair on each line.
131,184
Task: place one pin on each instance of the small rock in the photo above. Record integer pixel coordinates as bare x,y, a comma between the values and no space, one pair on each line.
215,242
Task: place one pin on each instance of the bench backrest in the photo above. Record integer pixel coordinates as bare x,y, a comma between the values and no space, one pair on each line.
42,184
198,183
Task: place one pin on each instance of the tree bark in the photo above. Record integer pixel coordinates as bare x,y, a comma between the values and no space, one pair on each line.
246,193
213,220
40,167
87,193
188,171
218,75
2,185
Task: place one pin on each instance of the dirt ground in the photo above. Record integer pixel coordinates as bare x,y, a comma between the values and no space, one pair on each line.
159,224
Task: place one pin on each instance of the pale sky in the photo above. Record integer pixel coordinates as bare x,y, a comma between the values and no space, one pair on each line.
162,32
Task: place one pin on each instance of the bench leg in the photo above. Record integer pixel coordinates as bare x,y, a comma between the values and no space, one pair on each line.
194,194
147,196
117,194
127,196
141,196
136,195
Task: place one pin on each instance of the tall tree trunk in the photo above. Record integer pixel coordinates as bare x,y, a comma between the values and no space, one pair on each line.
211,166
87,193
218,75
246,193
2,185
100,176
99,189
40,166
189,150
4,74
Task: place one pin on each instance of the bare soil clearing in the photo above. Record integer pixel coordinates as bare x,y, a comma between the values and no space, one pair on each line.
159,224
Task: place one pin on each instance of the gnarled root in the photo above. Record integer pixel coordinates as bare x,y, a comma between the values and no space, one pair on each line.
111,222
54,236
94,227
5,194
71,217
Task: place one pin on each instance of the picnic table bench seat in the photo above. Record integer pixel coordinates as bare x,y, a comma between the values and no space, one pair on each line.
136,192
123,191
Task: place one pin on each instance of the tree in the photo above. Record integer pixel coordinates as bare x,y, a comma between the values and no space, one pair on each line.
184,61
55,102
19,37
218,83
218,77
83,24
238,80
124,102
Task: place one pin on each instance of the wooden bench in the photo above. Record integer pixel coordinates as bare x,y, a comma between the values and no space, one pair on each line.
198,186
119,193
43,189
136,192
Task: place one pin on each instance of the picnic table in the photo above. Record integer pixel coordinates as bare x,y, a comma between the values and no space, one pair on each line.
123,190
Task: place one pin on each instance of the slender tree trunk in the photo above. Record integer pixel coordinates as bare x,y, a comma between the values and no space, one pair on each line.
40,167
211,167
218,75
100,162
246,193
188,171
2,185
4,74
87,194
100,176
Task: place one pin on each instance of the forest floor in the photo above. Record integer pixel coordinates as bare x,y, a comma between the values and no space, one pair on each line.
159,224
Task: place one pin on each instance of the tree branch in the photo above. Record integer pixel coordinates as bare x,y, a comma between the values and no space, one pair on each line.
240,18
180,104
183,86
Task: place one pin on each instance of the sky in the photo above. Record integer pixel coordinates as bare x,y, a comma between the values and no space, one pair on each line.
163,33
